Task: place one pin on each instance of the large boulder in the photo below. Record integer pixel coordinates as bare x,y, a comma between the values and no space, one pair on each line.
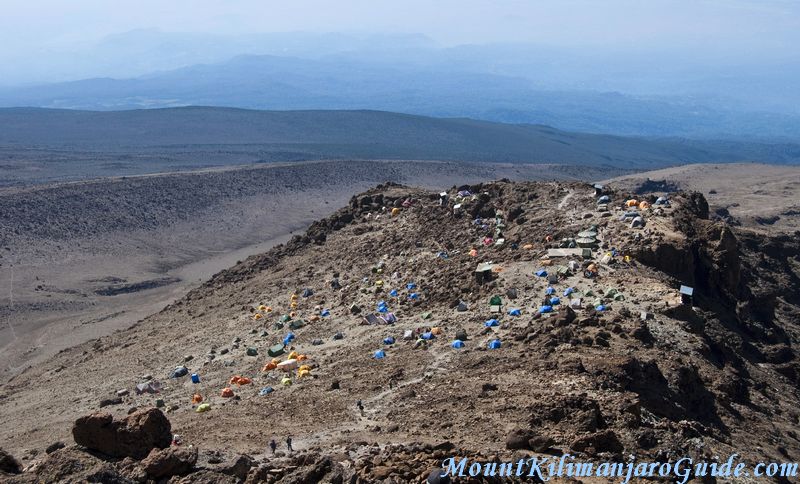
8,463
133,436
172,461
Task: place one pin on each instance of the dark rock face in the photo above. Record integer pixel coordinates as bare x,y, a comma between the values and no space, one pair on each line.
172,461
8,463
133,436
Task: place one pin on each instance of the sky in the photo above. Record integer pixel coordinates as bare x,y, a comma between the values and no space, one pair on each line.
54,40
28,25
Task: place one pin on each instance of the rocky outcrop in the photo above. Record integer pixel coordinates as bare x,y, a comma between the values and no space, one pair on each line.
172,461
8,463
133,436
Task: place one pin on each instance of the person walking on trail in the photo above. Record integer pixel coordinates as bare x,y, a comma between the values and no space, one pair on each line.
360,407
273,445
289,443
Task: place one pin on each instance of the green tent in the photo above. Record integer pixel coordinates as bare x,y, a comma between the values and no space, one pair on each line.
495,301
275,350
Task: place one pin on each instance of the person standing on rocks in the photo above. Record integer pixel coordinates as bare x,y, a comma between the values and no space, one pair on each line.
289,443
360,407
273,445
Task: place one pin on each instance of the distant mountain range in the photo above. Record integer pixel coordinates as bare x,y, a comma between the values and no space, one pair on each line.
458,86
228,135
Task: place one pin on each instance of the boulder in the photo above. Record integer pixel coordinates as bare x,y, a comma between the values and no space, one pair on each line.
603,441
518,439
8,463
133,436
172,461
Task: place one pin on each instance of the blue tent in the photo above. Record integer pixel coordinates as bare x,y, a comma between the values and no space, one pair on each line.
603,199
389,340
554,301
514,312
545,309
568,291
380,354
266,391
195,378
600,307
549,291
411,286
491,322
308,293
325,313
413,295
393,293
288,339
383,307
179,372
541,273
494,344
458,344
427,335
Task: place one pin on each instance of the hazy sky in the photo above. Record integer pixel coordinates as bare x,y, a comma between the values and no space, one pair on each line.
30,25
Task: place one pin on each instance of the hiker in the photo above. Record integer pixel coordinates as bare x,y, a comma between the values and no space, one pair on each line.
289,443
273,445
360,407
391,383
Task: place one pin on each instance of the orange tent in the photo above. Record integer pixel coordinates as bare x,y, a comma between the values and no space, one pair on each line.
240,380
197,398
226,393
644,205
631,203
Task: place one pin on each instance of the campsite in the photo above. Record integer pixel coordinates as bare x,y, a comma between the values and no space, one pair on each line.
365,337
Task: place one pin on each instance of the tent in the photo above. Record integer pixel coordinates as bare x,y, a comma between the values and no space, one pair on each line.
307,292
195,378
458,344
461,334
637,222
380,354
226,393
393,293
389,318
288,339
325,313
554,301
179,372
495,301
462,306
203,407
545,309
266,391
411,285
287,365
631,203
276,350
568,291
603,199
514,312
389,340
549,291
427,335
494,344
491,323
408,334
541,273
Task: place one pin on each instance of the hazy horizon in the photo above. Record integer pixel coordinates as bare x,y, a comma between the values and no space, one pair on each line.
698,66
